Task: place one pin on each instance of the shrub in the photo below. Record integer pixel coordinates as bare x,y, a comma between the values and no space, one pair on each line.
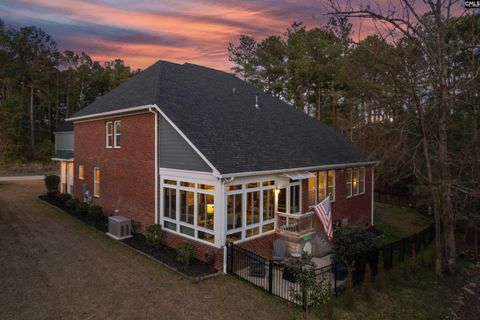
95,212
349,299
51,183
63,198
154,235
309,293
186,252
82,208
351,241
71,204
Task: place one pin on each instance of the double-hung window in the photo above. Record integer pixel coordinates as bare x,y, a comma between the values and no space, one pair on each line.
117,130
109,134
355,181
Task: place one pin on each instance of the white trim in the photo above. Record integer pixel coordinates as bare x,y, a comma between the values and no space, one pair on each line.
312,168
215,171
61,159
190,237
115,134
107,135
109,113
157,176
115,116
187,174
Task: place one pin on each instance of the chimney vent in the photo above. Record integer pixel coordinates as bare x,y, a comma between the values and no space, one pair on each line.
256,100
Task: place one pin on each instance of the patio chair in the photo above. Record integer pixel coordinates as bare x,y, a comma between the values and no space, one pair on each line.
279,250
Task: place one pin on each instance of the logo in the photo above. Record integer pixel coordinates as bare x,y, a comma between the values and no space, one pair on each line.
472,4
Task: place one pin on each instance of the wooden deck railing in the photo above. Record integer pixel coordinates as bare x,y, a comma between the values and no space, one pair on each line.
295,224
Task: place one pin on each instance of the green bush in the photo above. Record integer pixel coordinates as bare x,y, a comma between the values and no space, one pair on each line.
186,252
51,183
350,242
154,235
95,212
63,198
82,208
71,204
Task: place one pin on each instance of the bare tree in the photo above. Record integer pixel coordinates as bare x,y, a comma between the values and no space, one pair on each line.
425,24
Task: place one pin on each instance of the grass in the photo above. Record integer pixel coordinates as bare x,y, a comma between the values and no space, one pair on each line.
398,222
422,296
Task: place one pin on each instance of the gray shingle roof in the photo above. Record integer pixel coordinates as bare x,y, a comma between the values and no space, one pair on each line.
225,126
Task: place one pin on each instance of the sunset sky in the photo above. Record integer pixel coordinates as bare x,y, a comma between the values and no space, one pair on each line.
144,31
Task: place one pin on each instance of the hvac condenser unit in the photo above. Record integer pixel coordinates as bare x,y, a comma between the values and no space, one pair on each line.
119,227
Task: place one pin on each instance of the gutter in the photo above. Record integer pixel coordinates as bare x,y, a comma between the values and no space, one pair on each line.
322,167
152,110
109,113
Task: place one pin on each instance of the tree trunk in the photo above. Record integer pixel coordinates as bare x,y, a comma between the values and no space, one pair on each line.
32,123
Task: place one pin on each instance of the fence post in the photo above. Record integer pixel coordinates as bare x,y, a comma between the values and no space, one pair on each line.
335,277
270,276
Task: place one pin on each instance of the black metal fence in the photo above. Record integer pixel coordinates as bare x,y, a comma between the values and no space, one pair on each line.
278,280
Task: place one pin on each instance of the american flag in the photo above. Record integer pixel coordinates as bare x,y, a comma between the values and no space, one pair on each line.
324,212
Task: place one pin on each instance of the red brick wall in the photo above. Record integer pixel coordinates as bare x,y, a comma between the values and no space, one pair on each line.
262,246
173,240
126,174
356,209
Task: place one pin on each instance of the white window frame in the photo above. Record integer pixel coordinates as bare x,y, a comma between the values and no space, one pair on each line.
95,193
81,169
178,223
107,135
115,134
360,171
260,225
348,182
332,198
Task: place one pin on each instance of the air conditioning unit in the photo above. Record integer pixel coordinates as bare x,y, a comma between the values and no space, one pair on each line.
119,227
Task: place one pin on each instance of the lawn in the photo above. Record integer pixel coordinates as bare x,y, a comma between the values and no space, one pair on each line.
398,222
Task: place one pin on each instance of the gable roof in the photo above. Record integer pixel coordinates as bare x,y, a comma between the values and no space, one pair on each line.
216,112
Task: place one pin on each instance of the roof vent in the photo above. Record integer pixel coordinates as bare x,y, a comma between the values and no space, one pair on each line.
233,91
256,100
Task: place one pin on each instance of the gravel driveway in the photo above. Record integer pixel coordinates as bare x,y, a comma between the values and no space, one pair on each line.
54,267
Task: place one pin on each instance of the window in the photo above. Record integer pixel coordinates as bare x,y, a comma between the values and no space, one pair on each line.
187,203
63,177
331,184
282,200
194,213
295,199
362,180
311,192
349,183
355,181
96,185
268,204
81,172
321,186
117,133
109,134
253,207
206,210
234,211
170,203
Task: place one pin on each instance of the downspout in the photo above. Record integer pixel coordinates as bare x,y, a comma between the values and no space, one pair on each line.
224,195
156,163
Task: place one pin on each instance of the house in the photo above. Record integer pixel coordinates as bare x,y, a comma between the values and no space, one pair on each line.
205,155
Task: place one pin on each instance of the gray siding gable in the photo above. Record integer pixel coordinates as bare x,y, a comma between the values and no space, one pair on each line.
175,152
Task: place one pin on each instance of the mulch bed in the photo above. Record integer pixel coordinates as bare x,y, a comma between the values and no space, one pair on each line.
196,270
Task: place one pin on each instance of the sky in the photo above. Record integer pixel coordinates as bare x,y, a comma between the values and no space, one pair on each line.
143,31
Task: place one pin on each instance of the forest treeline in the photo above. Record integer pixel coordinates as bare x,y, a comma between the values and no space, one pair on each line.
409,95
40,86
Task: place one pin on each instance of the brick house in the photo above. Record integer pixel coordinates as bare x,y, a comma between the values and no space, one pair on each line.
212,160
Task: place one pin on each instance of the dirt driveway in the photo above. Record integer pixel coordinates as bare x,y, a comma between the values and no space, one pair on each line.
54,267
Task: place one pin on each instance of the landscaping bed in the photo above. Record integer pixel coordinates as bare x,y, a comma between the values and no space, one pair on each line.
195,269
